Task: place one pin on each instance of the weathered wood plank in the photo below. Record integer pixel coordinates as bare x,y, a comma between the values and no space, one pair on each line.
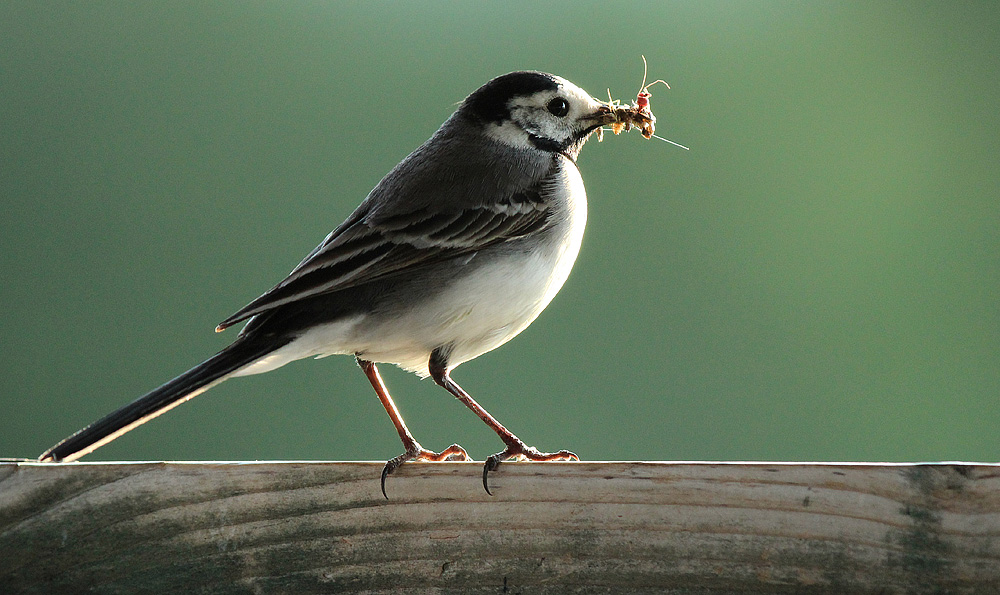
549,528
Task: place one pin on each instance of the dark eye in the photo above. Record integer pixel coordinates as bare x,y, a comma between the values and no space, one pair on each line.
558,107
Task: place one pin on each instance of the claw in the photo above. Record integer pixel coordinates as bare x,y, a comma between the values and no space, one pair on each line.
492,462
518,449
390,466
438,367
419,453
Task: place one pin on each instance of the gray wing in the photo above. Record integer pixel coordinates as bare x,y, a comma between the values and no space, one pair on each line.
371,246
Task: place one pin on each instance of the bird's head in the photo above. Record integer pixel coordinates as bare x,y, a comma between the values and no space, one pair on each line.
535,111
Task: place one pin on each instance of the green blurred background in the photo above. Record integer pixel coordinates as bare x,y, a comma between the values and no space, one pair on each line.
817,279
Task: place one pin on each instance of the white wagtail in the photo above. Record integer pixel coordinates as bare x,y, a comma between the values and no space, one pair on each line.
454,252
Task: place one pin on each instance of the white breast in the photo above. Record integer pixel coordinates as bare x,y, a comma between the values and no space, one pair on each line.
490,302
498,302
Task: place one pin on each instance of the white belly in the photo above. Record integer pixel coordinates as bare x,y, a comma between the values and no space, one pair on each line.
483,309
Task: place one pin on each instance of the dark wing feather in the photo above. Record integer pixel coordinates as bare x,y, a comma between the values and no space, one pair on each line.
361,251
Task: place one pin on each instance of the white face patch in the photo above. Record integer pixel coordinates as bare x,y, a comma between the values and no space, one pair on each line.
530,116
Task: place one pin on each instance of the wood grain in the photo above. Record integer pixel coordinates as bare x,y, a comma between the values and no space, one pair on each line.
629,527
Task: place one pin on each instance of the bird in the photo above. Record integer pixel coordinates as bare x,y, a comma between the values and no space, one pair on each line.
452,254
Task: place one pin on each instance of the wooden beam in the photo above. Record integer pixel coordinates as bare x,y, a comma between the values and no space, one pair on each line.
627,527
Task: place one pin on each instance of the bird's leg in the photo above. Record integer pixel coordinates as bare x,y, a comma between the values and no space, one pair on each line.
516,448
412,448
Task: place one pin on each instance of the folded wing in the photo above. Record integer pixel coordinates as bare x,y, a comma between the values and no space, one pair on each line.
367,248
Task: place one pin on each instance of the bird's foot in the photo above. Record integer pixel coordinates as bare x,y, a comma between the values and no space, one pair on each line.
415,452
518,450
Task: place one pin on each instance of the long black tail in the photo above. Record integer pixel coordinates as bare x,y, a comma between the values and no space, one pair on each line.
189,384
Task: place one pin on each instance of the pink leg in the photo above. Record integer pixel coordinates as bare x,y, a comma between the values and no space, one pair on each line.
515,447
412,448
